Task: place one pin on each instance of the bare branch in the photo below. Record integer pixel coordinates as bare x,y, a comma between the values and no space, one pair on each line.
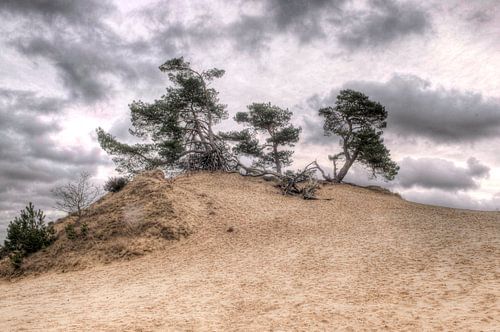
74,197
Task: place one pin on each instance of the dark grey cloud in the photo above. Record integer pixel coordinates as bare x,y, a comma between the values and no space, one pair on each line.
384,22
89,57
438,114
416,110
32,160
435,173
249,32
51,10
21,99
475,13
303,20
82,65
27,133
20,113
427,174
476,169
171,37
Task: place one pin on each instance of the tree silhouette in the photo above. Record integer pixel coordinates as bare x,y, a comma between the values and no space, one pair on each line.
358,122
177,128
273,122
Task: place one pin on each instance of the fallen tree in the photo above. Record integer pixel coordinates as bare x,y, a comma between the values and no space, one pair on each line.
302,182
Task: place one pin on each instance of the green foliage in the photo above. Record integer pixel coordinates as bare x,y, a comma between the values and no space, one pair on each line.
84,230
115,184
177,128
70,232
358,121
73,234
27,234
272,121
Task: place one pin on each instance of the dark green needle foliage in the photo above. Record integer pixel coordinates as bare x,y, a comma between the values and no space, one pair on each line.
272,122
358,122
27,234
177,129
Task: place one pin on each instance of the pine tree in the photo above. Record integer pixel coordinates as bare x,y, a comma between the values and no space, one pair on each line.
358,122
274,123
28,233
177,129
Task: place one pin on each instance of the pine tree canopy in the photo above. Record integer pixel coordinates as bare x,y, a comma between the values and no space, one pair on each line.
358,122
272,122
177,129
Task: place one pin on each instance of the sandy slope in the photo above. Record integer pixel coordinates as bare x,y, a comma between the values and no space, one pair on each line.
363,260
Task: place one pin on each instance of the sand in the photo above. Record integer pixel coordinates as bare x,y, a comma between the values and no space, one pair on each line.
364,260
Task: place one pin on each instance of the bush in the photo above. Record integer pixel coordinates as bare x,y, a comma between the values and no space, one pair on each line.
27,234
115,184
84,230
72,234
70,231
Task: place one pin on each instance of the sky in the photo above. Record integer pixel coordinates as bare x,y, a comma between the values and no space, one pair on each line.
68,67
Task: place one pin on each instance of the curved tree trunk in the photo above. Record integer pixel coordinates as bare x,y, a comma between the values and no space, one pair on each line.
347,165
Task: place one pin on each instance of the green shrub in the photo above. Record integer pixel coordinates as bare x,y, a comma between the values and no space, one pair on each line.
27,234
84,230
115,184
70,231
72,234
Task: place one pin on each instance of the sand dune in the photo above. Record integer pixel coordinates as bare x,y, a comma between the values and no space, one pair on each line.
363,260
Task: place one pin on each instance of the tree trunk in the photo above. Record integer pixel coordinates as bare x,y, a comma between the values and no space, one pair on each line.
347,165
277,160
343,172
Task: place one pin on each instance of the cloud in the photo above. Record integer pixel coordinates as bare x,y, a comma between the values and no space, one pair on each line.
426,174
453,200
384,22
441,115
418,110
475,13
82,12
82,64
91,56
301,19
435,173
87,54
476,169
32,160
21,99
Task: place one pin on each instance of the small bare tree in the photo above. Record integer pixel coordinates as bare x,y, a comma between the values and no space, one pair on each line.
76,196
